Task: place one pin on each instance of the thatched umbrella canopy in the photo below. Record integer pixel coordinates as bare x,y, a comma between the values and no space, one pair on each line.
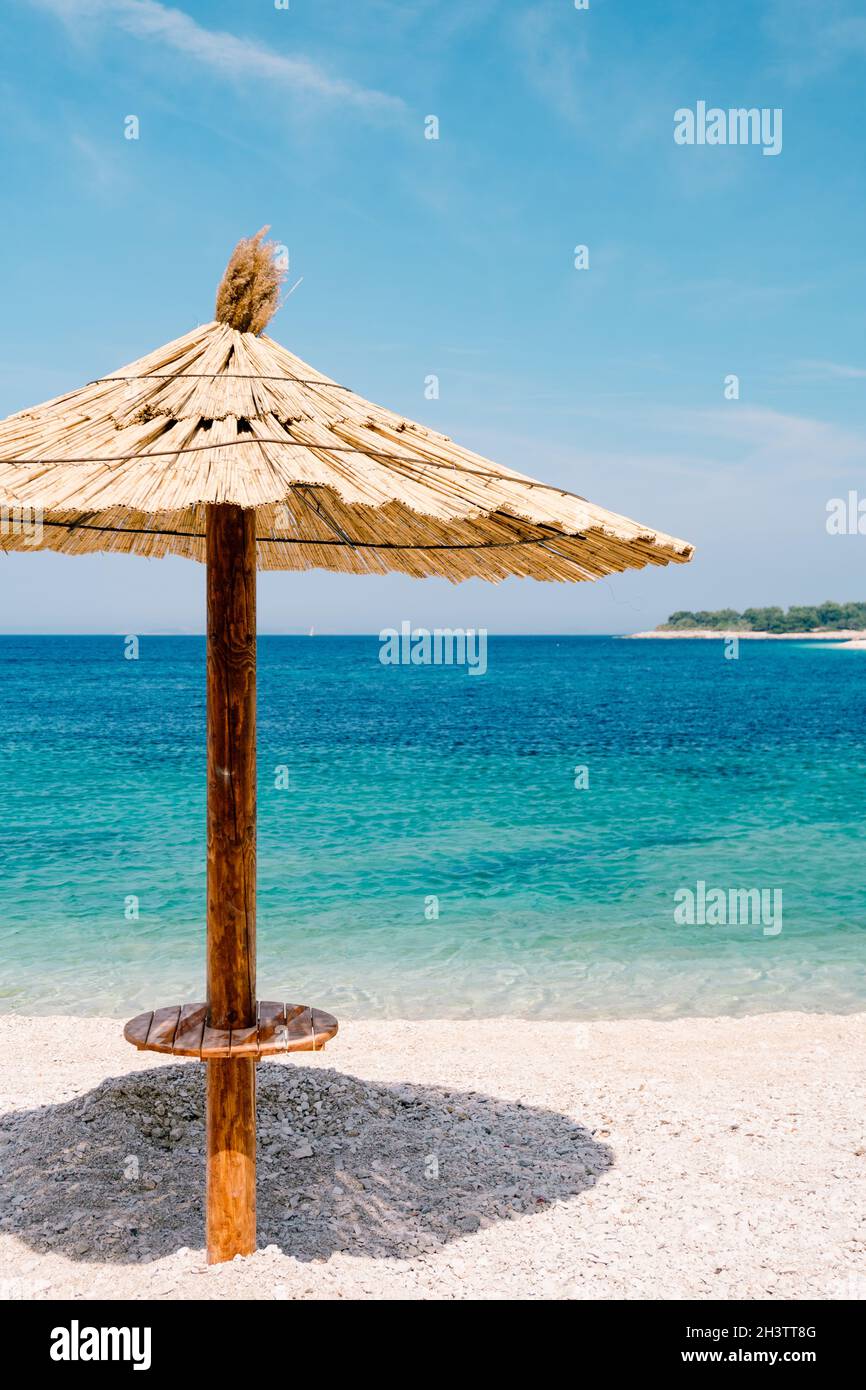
223,415
225,448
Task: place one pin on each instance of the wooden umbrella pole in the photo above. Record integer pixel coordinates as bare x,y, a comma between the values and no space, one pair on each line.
231,876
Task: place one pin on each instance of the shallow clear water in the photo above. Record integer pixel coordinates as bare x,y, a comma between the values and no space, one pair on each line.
411,783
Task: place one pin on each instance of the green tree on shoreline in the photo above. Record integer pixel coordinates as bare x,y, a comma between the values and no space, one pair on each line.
824,617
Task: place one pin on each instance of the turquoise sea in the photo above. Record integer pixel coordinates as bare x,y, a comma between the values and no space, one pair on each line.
414,791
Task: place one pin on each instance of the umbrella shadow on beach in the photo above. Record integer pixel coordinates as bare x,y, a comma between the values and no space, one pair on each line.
387,1171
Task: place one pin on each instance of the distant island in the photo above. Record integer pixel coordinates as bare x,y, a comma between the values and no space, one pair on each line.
843,622
825,617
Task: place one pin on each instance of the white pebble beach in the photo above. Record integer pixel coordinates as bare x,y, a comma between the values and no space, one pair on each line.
698,1158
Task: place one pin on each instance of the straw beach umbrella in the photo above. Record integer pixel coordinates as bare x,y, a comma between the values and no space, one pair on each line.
225,448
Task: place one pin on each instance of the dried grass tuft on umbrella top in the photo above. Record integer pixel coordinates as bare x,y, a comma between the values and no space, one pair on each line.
249,292
224,414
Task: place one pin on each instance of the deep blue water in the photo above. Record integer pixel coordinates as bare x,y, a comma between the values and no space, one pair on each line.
409,784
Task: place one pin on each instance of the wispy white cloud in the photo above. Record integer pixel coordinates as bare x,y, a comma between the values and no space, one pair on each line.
554,61
100,166
96,165
771,440
420,27
711,294
810,40
835,370
221,52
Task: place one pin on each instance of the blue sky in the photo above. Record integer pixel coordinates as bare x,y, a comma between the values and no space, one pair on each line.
455,257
